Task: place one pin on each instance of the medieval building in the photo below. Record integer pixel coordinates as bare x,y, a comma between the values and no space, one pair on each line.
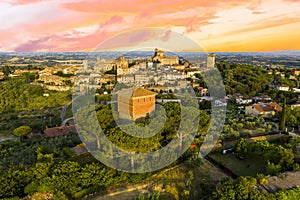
135,103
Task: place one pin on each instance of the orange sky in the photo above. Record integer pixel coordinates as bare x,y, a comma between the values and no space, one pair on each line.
80,25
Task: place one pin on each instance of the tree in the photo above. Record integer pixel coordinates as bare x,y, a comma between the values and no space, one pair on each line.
283,116
242,147
273,169
291,120
241,188
22,131
6,71
262,179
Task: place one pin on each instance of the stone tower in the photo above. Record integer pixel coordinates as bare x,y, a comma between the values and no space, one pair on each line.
211,60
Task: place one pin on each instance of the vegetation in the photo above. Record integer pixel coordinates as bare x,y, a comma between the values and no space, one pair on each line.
22,131
268,157
17,94
130,143
62,74
37,120
246,188
283,117
244,79
47,168
113,71
155,196
24,153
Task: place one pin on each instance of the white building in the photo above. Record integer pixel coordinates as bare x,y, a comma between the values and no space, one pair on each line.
283,87
296,90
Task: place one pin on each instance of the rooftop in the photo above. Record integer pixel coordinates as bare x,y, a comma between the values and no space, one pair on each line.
141,92
59,131
265,107
135,92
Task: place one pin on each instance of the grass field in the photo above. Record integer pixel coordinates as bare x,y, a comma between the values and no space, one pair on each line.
250,166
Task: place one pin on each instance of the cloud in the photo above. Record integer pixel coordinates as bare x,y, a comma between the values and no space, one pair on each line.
167,35
258,12
36,45
266,24
75,25
25,2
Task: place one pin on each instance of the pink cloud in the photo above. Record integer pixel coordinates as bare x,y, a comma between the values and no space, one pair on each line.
129,39
24,2
112,20
167,35
258,12
64,26
61,43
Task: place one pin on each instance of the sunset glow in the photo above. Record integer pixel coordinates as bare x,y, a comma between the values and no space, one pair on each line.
80,25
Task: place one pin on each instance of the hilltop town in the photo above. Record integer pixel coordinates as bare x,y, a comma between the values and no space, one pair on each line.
262,119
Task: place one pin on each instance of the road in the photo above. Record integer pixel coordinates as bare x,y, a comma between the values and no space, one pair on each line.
7,139
64,108
66,120
126,193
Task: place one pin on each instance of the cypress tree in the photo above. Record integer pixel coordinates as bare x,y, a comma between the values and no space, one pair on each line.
283,117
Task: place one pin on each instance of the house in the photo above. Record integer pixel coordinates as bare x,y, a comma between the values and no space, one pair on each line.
264,109
262,98
202,91
244,100
107,77
55,132
191,72
59,131
283,87
127,78
237,96
134,103
296,90
296,72
296,105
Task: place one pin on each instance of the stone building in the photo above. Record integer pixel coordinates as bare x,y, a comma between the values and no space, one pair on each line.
135,103
121,65
159,57
211,59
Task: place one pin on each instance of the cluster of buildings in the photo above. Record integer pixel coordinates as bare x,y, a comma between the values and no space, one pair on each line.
49,79
261,105
160,70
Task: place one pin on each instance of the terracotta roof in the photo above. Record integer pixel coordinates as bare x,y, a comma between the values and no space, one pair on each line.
275,106
59,131
135,92
267,107
141,92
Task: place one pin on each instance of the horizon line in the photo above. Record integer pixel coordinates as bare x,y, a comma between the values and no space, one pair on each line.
37,52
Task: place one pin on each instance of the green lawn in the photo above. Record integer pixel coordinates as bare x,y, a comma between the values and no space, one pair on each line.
250,166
